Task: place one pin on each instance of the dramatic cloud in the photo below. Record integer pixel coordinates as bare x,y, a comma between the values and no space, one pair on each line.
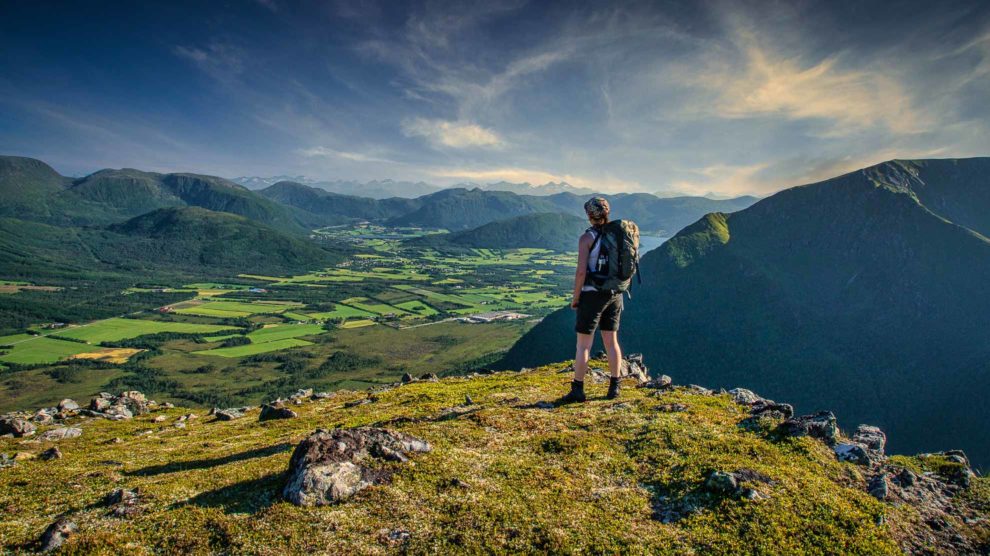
458,135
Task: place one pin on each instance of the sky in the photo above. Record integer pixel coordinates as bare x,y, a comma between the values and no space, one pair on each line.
693,97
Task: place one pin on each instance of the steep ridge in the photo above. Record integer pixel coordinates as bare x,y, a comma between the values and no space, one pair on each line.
324,208
549,230
26,185
482,463
850,294
462,209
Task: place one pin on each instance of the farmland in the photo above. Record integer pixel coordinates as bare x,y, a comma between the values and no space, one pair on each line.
386,310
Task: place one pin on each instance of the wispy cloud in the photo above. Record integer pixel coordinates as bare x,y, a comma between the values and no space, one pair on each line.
327,152
218,59
526,175
457,135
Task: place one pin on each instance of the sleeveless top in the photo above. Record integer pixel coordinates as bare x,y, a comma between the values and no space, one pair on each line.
592,258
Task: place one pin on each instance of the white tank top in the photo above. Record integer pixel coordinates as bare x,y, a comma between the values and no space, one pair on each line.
592,258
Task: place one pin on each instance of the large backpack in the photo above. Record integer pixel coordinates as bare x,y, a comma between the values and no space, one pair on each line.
618,257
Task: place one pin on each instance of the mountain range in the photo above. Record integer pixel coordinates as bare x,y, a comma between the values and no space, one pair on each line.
865,293
383,189
546,230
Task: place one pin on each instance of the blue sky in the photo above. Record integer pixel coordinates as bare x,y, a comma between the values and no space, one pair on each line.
731,97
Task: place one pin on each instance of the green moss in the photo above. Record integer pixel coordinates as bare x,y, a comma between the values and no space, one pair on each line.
581,478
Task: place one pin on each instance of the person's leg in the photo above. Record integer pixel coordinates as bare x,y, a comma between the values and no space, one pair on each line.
611,340
582,355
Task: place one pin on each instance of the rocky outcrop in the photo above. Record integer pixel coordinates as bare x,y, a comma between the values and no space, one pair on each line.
331,466
821,425
60,433
17,427
56,534
276,411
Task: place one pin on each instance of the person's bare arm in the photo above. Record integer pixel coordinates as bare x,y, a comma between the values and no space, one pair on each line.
584,247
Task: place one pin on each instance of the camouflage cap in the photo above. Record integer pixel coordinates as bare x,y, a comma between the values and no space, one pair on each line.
596,207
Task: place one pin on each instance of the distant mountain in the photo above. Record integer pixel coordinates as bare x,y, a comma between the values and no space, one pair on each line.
866,293
463,209
544,230
320,207
192,237
38,193
375,189
526,188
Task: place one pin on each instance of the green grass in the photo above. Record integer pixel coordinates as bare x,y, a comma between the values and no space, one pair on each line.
418,307
40,349
284,331
342,312
581,479
236,308
111,330
253,349
361,323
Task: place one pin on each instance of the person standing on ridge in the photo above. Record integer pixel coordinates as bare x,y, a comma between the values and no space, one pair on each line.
608,256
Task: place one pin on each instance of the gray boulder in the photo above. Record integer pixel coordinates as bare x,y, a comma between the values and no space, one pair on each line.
228,414
50,454
61,433
771,409
276,411
17,426
56,534
854,452
331,466
661,382
744,396
871,436
821,425
118,412
67,405
879,487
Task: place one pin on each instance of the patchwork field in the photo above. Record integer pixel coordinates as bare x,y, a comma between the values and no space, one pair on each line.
111,330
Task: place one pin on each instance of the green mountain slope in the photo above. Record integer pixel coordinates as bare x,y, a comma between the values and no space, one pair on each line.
463,209
861,294
37,192
503,474
322,207
26,185
543,230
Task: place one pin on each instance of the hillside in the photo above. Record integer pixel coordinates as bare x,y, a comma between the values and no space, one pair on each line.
325,208
675,469
39,193
198,239
546,230
864,294
462,209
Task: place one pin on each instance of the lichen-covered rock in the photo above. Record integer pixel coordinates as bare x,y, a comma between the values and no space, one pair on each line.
50,454
61,433
871,436
118,412
123,502
329,466
228,414
68,405
771,409
879,487
744,396
821,425
661,382
276,411
17,426
853,452
56,534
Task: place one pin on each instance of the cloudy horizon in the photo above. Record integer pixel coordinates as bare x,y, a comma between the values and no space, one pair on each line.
726,97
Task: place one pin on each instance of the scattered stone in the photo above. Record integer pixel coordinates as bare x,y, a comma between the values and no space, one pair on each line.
661,382
879,487
871,436
42,417
190,416
56,534
355,403
322,395
821,425
398,535
51,453
118,413
159,419
744,396
68,405
228,414
771,409
329,466
61,433
277,411
24,456
722,483
406,378
6,461
432,377
468,400
17,427
854,452
180,425
634,367
700,389
123,502
673,408
303,393
906,478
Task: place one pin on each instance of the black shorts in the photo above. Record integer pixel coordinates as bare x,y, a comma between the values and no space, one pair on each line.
598,310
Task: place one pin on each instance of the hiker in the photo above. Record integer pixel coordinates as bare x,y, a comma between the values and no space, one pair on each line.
599,282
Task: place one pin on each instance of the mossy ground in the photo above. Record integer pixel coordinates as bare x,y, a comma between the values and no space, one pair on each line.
502,477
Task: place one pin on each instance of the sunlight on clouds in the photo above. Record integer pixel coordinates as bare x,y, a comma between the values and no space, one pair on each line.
523,175
723,178
324,152
773,84
458,135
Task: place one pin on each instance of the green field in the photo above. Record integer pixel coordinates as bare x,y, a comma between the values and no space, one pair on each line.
253,349
418,307
357,323
40,349
284,331
112,330
224,309
372,307
342,312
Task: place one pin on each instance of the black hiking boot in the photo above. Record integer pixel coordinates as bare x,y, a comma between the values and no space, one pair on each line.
576,394
613,388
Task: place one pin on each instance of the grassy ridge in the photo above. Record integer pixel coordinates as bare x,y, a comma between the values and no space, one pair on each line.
502,477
